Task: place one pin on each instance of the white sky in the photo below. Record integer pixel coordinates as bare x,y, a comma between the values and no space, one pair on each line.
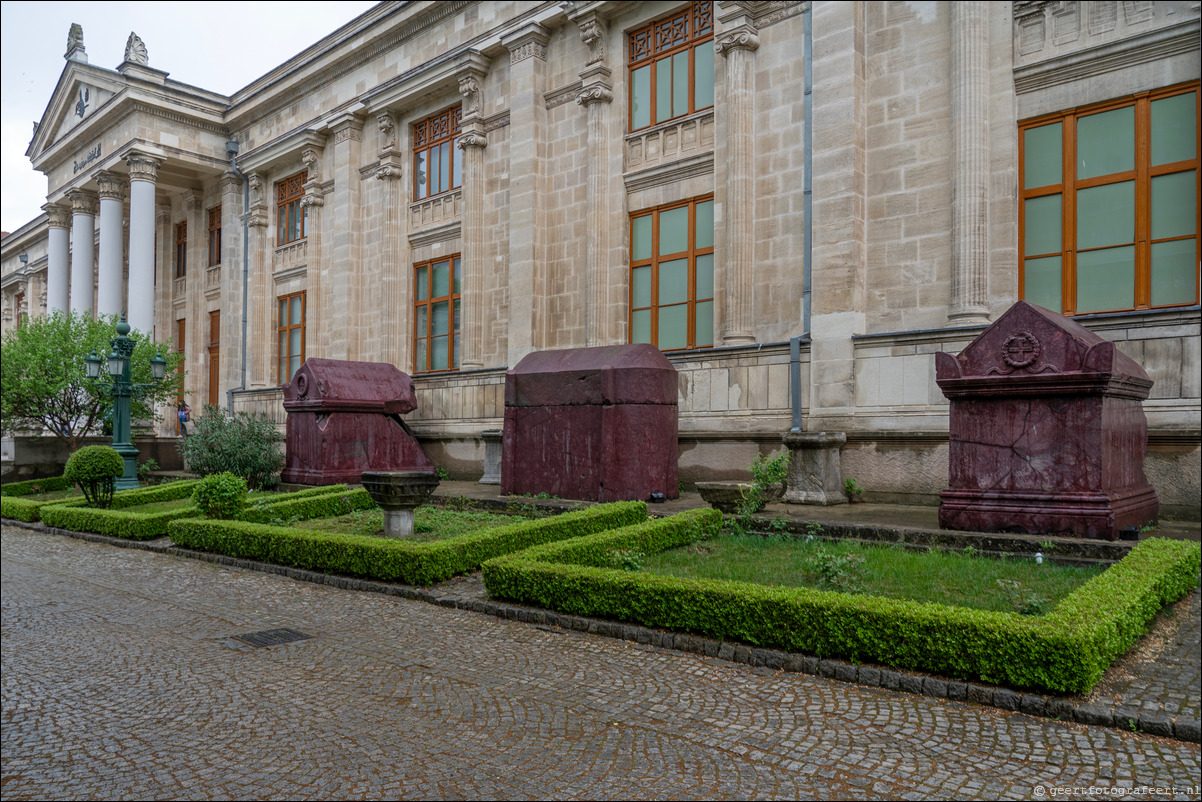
219,46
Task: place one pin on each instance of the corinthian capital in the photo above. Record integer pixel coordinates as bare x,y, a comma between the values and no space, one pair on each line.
82,202
112,187
143,168
60,216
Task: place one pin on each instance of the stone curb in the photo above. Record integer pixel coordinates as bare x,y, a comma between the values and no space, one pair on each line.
1129,719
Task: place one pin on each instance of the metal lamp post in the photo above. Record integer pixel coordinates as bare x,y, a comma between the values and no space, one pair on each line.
123,391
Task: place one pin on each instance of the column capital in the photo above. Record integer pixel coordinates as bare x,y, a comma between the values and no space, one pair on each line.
162,214
193,200
347,127
529,40
744,37
112,186
473,136
230,182
60,216
597,93
82,202
143,167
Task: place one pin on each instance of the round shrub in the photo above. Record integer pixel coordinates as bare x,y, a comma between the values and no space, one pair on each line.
95,469
221,495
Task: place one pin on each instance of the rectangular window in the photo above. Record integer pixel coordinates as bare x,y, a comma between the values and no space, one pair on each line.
214,236
180,330
1109,213
214,357
436,165
181,249
290,335
672,275
436,315
290,215
671,64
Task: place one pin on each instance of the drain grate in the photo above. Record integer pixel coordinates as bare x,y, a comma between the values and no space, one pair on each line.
272,637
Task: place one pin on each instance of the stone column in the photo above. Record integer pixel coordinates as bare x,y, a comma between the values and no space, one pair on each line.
83,250
195,303
527,158
970,134
164,285
595,95
110,291
393,311
474,264
57,258
231,280
261,295
343,274
738,43
319,328
143,174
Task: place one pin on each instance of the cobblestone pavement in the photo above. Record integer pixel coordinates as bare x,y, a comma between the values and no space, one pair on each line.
121,681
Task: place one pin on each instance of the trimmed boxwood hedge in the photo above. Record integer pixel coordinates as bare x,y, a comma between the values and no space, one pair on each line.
1064,651
47,485
392,560
30,510
306,504
116,523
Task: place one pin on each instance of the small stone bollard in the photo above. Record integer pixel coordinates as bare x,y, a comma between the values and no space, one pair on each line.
399,493
492,456
815,469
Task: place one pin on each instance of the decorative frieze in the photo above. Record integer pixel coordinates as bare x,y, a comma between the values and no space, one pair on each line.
671,141
1046,29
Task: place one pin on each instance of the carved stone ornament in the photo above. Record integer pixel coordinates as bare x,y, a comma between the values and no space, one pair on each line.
135,49
1021,350
313,198
389,172
592,33
469,87
597,93
112,187
60,216
527,49
740,39
256,189
311,158
82,202
387,130
472,139
143,168
75,39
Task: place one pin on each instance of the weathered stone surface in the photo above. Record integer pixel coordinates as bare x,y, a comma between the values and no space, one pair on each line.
815,468
1047,431
591,423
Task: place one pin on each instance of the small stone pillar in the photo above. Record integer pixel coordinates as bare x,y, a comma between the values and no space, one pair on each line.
399,493
492,456
815,468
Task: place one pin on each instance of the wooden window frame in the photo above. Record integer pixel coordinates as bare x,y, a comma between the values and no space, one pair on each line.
453,298
1142,176
214,356
181,249
215,236
645,48
285,328
288,194
654,261
430,133
181,327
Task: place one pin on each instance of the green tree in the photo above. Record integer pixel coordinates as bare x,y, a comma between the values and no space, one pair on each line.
44,382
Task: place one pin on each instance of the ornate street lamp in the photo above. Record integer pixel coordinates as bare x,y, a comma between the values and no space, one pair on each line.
123,391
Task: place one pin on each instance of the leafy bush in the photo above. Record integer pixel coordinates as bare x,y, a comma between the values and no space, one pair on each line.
836,571
30,510
145,469
221,495
35,486
244,445
116,523
95,469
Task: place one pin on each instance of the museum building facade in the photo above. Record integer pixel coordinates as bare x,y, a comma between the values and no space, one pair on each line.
449,186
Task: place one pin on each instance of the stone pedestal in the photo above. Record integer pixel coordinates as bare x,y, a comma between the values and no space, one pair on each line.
815,468
726,496
399,493
1047,431
492,456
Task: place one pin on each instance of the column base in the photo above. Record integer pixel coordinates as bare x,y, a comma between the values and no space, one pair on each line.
815,468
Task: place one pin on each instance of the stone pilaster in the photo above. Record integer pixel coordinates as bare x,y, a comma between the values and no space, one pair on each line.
83,250
343,275
57,258
474,262
318,329
527,158
110,289
164,314
970,193
261,294
738,43
393,311
143,175
196,303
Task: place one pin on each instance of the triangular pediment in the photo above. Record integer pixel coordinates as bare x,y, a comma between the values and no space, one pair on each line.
81,92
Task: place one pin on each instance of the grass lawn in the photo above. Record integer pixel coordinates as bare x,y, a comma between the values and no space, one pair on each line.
429,523
951,578
55,495
161,506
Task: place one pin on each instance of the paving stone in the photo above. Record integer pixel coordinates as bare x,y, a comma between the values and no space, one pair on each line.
1093,714
910,683
1188,730
890,679
869,676
1032,704
934,687
845,672
826,668
957,691
1006,699
980,694
1156,724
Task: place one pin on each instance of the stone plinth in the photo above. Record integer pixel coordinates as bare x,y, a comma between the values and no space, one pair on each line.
591,423
1047,431
344,418
815,468
399,493
725,496
492,456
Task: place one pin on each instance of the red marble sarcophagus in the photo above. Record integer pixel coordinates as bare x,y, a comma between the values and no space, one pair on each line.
591,423
1048,433
344,418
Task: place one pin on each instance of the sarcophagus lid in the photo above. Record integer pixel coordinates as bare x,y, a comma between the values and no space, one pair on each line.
332,385
614,374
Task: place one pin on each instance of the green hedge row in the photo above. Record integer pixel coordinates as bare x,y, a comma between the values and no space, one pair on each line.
47,485
22,509
116,523
395,560
323,505
267,499
1065,651
30,509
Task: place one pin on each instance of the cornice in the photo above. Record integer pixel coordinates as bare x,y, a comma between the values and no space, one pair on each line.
660,174
286,148
429,236
562,95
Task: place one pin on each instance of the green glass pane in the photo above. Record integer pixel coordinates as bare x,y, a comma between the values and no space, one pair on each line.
456,271
297,315
444,166
674,231
705,276
458,317
283,344
705,224
1042,225
1043,160
1106,279
640,238
663,89
680,84
420,356
1174,272
457,161
1041,282
421,322
294,364
674,282
419,175
705,323
673,327
640,326
282,370
455,352
703,76
1106,143
439,318
440,279
1106,215
1174,205
641,286
283,313
294,342
640,98
1174,129
438,353
421,284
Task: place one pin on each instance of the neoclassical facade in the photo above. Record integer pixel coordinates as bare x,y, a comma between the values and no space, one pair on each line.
847,186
